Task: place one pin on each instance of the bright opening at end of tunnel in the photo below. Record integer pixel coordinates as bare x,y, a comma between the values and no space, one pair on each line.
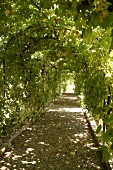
70,86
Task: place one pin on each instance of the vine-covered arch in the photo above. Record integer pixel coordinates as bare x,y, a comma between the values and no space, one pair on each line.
41,43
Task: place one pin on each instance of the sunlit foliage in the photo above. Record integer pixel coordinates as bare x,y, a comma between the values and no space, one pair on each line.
42,42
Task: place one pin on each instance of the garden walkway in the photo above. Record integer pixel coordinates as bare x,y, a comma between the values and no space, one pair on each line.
59,140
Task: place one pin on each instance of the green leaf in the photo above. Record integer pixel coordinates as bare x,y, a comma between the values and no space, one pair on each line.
111,147
111,45
105,137
56,11
98,129
47,4
108,20
106,153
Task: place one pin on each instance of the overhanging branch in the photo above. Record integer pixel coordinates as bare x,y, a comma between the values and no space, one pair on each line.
36,6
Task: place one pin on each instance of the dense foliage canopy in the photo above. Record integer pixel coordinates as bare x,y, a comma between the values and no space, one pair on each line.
42,43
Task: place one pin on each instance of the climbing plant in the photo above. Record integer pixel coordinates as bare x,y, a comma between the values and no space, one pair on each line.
42,42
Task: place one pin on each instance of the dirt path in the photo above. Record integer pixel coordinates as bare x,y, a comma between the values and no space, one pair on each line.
59,140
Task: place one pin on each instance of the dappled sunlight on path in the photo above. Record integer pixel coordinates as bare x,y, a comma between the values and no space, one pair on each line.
59,140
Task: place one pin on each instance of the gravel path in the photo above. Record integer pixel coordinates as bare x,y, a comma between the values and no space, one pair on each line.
59,140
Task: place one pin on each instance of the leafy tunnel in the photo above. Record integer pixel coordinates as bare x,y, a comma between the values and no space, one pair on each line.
43,44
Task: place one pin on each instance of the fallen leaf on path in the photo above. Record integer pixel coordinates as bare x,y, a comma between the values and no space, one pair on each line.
67,162
72,153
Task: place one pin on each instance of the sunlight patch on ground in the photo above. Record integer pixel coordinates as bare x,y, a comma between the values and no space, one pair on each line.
26,162
80,135
4,168
91,147
28,140
75,141
43,143
15,157
69,97
29,150
7,154
71,110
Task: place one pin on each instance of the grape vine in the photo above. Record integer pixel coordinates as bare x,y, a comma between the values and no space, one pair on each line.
41,43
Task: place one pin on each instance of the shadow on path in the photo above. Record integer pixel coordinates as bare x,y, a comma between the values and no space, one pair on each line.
59,140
